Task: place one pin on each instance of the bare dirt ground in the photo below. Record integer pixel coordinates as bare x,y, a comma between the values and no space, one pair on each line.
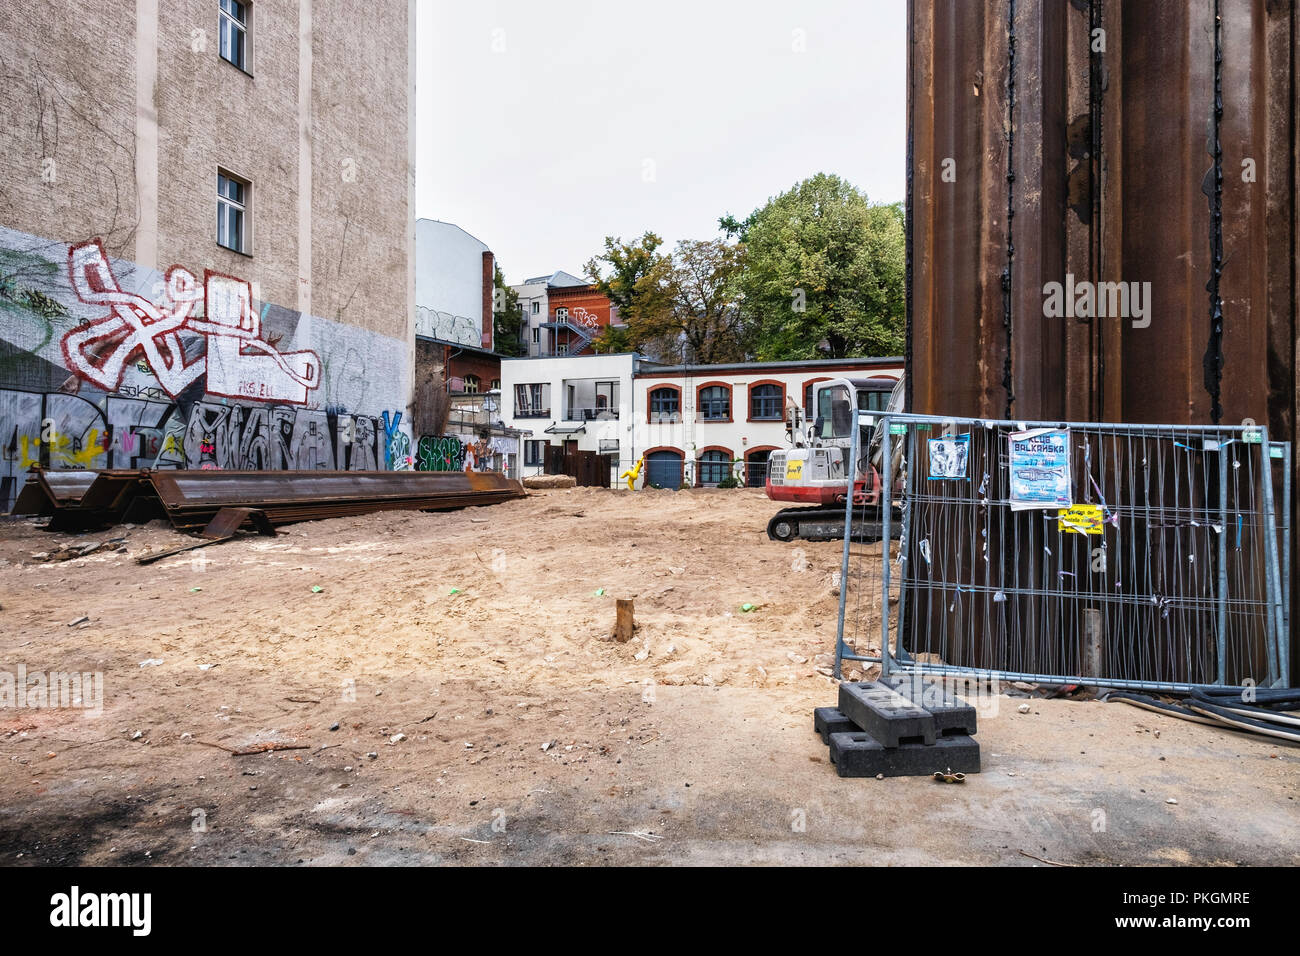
527,738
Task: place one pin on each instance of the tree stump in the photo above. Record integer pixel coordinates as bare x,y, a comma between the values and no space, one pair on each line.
623,622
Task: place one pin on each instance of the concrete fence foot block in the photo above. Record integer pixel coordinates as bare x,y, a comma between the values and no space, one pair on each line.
951,713
861,755
830,720
885,714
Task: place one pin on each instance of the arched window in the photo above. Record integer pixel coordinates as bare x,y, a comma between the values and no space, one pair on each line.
715,466
715,403
809,404
765,402
756,466
665,405
471,383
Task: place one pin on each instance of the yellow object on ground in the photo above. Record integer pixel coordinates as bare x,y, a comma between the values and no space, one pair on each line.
633,473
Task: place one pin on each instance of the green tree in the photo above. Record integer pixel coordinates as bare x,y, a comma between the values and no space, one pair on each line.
703,293
683,306
612,339
636,273
824,272
507,320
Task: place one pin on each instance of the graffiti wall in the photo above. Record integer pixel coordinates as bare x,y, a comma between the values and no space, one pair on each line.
448,327
440,453
460,453
104,364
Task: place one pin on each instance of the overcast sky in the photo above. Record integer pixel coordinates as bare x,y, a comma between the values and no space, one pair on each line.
545,125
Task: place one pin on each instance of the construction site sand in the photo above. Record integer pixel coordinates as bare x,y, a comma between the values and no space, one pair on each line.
483,716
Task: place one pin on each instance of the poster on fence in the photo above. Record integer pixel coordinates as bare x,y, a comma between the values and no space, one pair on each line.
1039,460
948,456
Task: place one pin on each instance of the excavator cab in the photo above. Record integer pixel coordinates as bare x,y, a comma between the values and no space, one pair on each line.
815,472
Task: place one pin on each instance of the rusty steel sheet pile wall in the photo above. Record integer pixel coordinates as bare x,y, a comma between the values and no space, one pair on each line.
1102,210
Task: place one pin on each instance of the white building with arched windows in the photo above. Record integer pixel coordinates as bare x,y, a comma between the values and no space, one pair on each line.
696,424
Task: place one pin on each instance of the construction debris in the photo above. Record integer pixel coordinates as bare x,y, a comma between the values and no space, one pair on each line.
79,549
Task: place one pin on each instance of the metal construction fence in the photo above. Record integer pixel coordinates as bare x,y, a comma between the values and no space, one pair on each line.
1140,556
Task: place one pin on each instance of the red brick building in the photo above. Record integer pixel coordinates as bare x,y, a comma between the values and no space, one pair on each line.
577,314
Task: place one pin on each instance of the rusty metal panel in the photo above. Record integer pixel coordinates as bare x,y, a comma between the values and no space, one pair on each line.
1113,141
1097,120
958,104
192,498
192,489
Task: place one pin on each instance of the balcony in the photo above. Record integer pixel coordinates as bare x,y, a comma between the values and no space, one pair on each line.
527,411
597,414
474,409
591,400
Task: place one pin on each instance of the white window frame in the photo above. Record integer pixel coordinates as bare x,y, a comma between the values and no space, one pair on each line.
243,206
244,27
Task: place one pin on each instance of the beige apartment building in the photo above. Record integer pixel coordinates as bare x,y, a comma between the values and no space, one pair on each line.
207,233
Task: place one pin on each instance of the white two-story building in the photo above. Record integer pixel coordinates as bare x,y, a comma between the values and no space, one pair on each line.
582,402
707,423
695,424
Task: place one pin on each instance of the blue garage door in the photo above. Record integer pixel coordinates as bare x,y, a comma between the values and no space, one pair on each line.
664,468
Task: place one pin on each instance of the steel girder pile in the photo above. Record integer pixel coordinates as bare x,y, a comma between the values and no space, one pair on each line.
78,500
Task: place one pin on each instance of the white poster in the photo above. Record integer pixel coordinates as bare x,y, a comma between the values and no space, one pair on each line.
1039,460
948,456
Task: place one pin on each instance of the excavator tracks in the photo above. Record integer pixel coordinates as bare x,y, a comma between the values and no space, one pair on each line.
821,523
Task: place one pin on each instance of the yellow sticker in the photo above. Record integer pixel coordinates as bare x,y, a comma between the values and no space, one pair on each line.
1081,519
794,470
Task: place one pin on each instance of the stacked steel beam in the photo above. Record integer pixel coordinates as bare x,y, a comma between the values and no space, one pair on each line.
190,499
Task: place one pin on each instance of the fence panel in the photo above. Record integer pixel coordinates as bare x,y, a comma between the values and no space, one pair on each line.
1134,555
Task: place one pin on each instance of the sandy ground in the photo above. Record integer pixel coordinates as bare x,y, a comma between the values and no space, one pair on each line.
528,738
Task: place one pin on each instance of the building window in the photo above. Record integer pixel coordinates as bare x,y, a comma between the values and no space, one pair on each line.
562,349
232,24
561,314
665,405
537,307
765,402
496,385
233,197
809,403
715,466
533,453
471,384
715,403
537,336
533,401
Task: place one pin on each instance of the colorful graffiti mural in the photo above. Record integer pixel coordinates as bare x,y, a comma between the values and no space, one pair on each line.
56,430
440,453
105,364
